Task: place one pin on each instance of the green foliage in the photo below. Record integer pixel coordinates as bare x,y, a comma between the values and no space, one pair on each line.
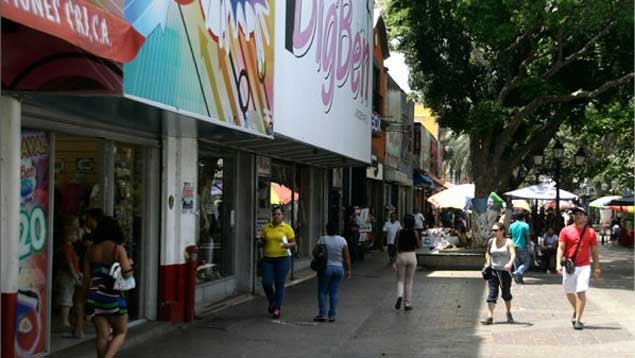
509,73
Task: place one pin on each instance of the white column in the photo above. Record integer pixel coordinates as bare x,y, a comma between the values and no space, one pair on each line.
9,215
9,192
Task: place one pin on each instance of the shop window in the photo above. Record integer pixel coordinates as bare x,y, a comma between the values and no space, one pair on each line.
128,208
216,180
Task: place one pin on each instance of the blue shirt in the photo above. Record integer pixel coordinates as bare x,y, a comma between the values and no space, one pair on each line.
519,231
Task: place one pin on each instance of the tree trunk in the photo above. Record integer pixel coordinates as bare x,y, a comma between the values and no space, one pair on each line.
487,178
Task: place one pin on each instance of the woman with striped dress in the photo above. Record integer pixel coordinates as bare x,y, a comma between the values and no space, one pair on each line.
107,306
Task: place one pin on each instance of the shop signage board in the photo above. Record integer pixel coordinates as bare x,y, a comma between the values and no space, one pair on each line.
98,29
210,59
31,325
323,54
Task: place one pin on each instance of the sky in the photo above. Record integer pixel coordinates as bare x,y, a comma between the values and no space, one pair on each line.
398,70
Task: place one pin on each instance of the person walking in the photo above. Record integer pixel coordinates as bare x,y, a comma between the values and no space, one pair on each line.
576,241
420,221
519,232
106,305
406,242
278,239
551,246
329,279
499,255
391,227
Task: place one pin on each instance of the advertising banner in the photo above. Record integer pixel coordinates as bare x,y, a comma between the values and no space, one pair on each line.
323,74
209,58
32,306
91,25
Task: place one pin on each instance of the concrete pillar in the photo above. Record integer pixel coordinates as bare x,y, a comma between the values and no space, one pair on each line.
9,219
178,219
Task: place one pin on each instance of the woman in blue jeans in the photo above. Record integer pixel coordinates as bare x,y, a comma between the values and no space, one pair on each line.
277,238
329,279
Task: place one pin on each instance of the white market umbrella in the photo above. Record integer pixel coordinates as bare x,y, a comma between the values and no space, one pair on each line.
602,201
455,197
541,191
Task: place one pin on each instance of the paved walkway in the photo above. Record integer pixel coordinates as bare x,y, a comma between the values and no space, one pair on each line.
445,321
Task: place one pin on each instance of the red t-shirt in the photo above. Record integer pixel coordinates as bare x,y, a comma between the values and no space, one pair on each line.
570,236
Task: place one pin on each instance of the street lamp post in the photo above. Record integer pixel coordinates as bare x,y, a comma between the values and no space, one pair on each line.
558,152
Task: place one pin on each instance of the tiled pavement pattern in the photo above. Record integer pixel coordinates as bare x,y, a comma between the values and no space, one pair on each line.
445,321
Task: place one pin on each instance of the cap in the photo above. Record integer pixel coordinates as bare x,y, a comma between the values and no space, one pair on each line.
579,209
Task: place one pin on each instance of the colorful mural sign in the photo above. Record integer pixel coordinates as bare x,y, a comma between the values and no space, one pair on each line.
91,25
208,58
31,333
323,74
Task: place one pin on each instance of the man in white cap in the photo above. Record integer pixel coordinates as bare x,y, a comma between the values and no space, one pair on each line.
575,243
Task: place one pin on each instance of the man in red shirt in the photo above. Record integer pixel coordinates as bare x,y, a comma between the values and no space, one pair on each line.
576,284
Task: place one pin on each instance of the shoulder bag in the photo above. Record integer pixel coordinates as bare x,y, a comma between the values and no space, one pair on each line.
569,262
320,256
121,283
486,272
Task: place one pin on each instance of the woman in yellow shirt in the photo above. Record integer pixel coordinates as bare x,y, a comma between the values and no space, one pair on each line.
278,239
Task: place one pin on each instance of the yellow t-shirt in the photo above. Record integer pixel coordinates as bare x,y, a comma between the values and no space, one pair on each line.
273,239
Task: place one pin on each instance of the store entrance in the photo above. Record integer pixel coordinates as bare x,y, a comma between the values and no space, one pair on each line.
92,177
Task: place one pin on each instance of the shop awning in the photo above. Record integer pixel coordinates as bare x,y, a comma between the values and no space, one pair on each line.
421,180
438,181
98,29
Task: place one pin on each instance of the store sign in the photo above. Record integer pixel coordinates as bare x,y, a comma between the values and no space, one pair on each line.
32,305
79,22
208,58
264,166
376,124
323,74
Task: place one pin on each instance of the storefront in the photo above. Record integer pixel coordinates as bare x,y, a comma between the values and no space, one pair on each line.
71,165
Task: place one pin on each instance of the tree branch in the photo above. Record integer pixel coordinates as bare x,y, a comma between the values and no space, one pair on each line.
576,55
517,119
520,73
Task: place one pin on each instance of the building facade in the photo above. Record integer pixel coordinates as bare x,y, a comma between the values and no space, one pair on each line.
185,130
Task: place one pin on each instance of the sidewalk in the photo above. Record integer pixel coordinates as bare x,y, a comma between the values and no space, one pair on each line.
445,322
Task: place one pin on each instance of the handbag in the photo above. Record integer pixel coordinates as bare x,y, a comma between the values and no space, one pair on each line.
120,282
569,263
486,272
320,256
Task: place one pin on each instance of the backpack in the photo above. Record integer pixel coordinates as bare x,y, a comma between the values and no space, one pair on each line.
320,256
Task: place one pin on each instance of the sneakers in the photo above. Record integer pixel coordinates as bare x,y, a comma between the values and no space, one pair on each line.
488,321
407,308
276,313
331,319
578,325
510,318
398,303
319,318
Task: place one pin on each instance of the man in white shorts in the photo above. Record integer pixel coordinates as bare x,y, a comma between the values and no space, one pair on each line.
577,283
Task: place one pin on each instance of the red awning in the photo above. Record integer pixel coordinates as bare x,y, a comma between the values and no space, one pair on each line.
99,31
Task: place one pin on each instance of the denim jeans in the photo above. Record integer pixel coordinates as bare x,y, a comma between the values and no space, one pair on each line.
522,261
274,274
329,284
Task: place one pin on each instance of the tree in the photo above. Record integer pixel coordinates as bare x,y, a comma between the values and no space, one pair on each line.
511,73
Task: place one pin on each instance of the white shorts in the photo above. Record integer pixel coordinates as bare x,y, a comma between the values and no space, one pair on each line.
578,281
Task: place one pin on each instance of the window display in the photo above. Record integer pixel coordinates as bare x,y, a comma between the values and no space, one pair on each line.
216,215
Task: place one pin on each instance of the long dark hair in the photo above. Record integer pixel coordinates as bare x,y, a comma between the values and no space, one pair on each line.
108,229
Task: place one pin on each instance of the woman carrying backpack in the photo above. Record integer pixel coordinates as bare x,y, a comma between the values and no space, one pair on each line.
338,259
499,256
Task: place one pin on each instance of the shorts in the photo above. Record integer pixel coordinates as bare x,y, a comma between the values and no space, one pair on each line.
577,281
64,289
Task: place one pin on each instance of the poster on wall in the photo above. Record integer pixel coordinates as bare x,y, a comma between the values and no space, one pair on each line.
32,306
323,74
209,58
